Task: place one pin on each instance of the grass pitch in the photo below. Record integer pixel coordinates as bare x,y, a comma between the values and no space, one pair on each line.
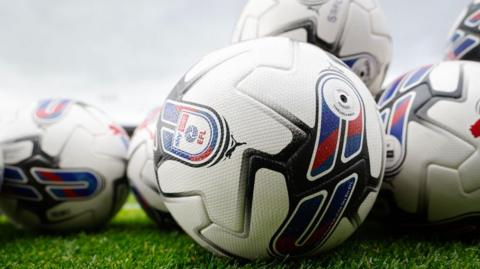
133,241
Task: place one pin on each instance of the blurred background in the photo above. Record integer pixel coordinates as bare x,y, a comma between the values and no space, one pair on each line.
125,56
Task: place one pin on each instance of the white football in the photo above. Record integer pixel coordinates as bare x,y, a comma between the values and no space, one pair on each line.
432,122
353,30
269,148
141,171
65,166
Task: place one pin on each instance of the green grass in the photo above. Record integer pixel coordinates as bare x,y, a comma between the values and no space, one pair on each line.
132,241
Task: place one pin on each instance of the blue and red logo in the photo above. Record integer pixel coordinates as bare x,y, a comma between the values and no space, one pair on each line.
191,133
340,105
313,220
59,184
51,110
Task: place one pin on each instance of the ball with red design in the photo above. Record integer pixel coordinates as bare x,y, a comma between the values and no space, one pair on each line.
65,166
141,171
431,117
464,42
269,148
353,30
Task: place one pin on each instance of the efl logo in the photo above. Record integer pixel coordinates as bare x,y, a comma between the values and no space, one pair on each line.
191,133
51,110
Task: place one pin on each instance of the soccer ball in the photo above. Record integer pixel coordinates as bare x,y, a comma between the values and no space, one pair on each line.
141,171
353,30
431,117
65,167
465,36
269,148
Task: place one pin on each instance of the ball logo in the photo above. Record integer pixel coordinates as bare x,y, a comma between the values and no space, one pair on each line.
338,105
51,110
191,133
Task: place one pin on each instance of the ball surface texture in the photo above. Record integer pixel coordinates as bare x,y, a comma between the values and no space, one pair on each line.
269,148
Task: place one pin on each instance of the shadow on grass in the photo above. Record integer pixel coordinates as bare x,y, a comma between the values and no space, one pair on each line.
9,233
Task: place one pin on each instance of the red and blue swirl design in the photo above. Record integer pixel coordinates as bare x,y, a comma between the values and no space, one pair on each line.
52,109
313,220
65,185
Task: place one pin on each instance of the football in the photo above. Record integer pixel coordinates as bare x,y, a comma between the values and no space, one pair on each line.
353,30
141,171
464,40
269,148
431,117
65,167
